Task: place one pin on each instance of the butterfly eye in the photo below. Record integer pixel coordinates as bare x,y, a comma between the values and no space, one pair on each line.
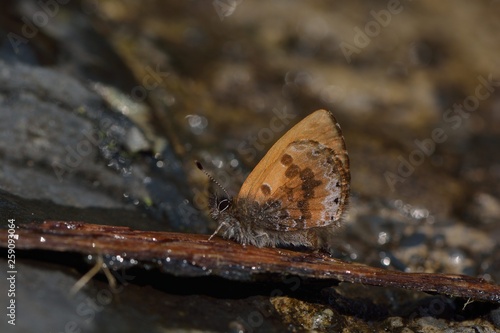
223,205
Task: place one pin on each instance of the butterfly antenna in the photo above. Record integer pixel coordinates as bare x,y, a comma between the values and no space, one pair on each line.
199,166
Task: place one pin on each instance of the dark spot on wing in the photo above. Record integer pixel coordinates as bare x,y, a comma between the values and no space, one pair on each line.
309,182
306,174
286,159
303,206
292,171
266,189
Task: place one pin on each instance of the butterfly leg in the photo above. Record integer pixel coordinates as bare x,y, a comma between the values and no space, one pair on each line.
217,230
263,238
262,234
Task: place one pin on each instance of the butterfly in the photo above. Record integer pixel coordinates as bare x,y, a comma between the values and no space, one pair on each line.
296,195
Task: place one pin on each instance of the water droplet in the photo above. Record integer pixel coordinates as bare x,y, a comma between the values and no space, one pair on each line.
383,238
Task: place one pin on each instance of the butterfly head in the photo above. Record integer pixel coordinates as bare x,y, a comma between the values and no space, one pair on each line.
219,206
221,209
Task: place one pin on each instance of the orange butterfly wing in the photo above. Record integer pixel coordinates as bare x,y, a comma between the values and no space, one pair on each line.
304,178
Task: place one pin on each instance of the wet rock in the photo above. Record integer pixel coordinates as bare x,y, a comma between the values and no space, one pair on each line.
303,315
60,142
68,132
